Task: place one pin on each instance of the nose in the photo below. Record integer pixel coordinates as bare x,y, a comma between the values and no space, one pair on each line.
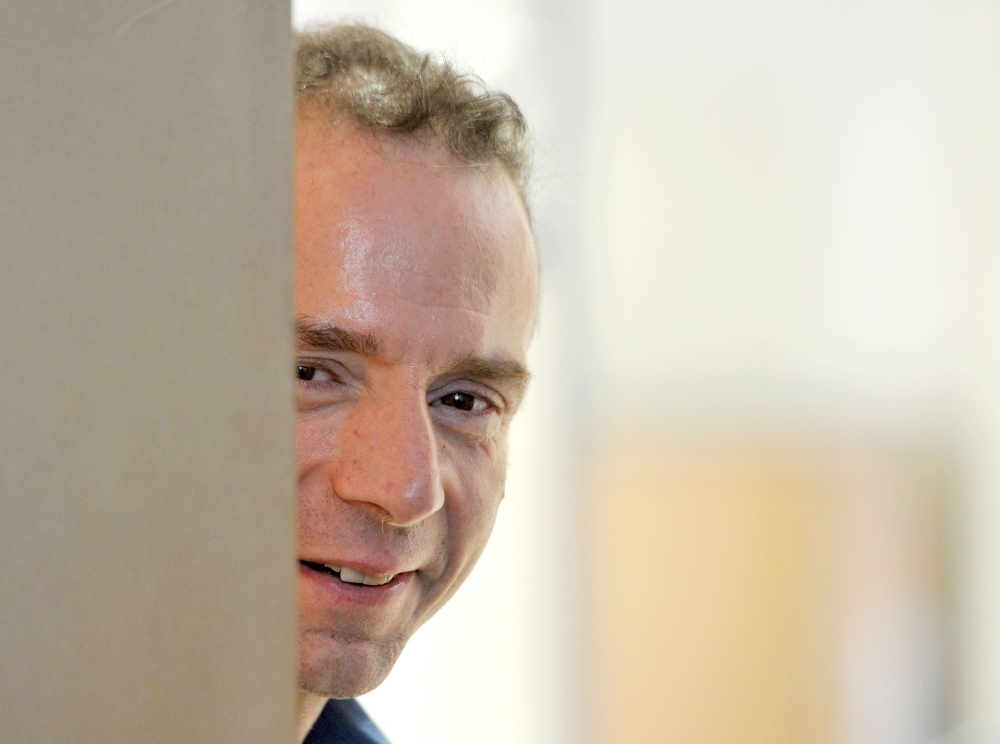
388,458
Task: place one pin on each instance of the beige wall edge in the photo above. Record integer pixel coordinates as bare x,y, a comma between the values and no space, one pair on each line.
146,423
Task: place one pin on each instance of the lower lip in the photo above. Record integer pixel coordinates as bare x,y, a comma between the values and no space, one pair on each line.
354,593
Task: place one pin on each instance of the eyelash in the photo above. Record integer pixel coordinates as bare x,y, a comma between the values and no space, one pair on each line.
309,364
306,365
439,401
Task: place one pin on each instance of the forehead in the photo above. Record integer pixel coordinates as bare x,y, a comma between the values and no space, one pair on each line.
397,233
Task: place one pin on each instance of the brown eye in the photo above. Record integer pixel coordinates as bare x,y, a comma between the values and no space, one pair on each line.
463,402
309,373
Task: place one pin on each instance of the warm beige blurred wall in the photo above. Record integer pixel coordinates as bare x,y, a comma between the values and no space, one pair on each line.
774,594
146,449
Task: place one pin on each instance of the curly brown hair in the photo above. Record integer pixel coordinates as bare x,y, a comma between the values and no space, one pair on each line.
381,82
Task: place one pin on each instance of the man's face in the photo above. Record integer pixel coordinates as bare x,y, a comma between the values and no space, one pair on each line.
415,295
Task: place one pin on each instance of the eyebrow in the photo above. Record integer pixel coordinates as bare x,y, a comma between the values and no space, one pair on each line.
329,337
492,370
509,376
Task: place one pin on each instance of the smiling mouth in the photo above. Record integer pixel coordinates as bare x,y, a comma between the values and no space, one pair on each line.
348,575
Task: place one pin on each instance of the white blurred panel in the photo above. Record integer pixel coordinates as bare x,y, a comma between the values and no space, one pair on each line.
770,210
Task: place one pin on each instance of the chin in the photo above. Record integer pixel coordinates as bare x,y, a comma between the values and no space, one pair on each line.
336,667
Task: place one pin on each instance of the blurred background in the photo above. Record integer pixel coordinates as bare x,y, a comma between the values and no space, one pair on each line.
755,493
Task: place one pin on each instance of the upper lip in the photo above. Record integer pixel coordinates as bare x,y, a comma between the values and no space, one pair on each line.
379,569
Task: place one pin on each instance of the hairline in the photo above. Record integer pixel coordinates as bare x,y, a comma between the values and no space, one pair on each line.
309,109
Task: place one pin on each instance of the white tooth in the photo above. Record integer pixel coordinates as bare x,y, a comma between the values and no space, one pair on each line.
375,581
332,568
351,576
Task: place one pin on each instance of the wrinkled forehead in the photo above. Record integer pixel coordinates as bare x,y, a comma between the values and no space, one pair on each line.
401,226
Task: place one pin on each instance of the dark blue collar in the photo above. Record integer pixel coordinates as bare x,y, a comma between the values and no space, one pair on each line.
344,722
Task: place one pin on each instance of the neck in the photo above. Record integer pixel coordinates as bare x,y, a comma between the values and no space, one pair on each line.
310,706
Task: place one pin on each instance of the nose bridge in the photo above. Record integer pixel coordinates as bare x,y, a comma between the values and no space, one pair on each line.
388,457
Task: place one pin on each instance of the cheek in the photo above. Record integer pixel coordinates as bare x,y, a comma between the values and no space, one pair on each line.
478,485
317,440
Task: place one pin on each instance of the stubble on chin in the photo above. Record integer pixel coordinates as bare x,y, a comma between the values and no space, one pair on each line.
341,668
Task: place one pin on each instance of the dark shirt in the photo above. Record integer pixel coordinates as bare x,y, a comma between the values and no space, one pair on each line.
344,722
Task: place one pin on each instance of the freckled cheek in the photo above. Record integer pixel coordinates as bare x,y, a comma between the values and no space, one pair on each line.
317,441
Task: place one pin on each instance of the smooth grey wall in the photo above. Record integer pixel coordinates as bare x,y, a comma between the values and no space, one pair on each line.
146,421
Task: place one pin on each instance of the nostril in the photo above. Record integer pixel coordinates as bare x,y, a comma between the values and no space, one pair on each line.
380,513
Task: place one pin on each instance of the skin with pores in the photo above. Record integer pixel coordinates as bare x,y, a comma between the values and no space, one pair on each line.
416,282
